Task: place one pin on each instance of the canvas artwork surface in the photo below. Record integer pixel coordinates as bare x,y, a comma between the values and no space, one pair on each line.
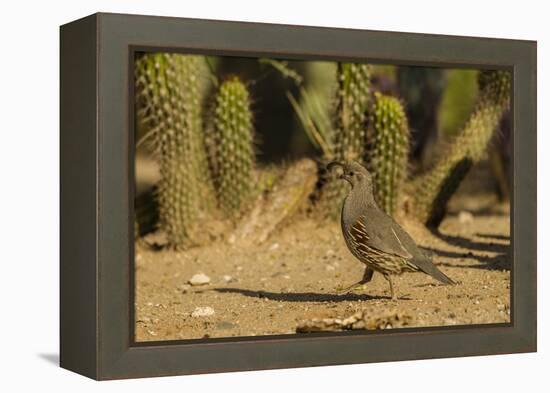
279,196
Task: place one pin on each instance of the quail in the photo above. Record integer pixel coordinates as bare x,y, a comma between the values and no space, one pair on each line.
374,237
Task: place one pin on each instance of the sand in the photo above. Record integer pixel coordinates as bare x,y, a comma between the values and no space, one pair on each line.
292,279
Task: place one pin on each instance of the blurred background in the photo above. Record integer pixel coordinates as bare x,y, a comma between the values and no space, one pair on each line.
437,101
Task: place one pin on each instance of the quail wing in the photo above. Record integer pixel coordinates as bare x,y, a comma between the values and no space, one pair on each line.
382,233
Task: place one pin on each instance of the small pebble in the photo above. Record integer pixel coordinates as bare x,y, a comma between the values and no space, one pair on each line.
202,312
199,279
227,278
274,246
465,217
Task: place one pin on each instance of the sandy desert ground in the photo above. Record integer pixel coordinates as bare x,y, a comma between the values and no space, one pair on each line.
292,280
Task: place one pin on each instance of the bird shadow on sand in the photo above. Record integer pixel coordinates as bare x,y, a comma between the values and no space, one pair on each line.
301,296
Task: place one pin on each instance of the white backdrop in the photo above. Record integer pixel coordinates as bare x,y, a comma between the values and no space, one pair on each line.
29,228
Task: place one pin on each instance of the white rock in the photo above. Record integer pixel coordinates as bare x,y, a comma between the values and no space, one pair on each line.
274,246
227,278
202,312
465,217
199,279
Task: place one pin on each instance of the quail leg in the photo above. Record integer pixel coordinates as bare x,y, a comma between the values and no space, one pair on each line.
388,277
367,276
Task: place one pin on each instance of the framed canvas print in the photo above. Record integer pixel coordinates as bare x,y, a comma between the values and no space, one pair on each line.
241,196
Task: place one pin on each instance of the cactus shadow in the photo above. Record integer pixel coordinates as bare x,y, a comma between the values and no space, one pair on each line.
470,244
493,236
300,296
486,211
500,261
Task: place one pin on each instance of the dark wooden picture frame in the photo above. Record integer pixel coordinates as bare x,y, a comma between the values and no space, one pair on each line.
97,277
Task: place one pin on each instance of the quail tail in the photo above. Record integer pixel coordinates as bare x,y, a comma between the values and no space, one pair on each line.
442,277
429,268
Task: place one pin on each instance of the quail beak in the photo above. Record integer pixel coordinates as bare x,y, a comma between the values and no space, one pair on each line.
334,164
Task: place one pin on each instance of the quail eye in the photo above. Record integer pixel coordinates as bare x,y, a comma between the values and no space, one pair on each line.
351,174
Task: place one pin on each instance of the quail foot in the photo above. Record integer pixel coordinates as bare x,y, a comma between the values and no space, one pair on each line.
374,237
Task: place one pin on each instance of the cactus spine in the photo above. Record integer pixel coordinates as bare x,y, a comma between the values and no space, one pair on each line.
232,148
348,142
434,189
387,150
168,88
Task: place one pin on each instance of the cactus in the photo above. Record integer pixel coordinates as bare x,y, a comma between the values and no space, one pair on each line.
434,189
348,141
351,111
387,150
168,88
457,101
231,146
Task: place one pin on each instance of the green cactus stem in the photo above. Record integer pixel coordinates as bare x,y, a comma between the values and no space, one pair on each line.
348,141
433,190
168,88
351,111
387,150
232,148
